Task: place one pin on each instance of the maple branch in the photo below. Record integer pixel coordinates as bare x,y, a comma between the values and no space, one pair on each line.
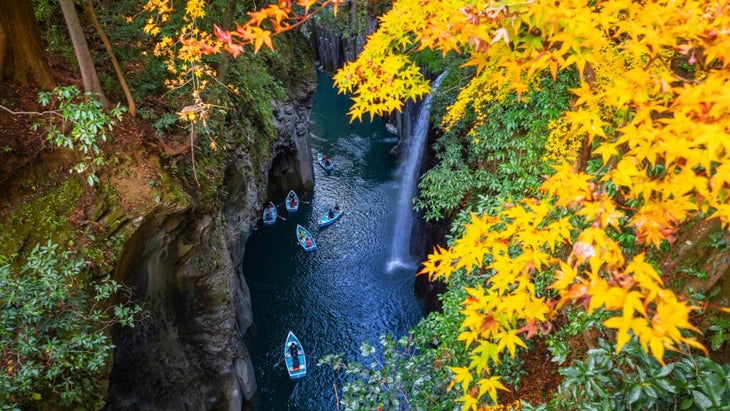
674,73
305,17
685,80
405,397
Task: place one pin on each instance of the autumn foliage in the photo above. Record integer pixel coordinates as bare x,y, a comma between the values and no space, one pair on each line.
185,49
653,114
661,136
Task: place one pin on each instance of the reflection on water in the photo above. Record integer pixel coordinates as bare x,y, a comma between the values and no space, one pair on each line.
340,295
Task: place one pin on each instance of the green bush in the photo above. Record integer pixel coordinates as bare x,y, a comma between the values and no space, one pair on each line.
634,380
52,331
90,125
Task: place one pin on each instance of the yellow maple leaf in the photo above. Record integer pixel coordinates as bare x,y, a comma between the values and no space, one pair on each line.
462,375
509,340
469,402
490,386
602,294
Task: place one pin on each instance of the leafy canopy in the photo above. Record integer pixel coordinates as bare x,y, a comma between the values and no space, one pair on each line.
651,109
662,139
185,45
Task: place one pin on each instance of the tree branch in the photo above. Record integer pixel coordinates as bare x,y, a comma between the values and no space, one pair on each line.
32,113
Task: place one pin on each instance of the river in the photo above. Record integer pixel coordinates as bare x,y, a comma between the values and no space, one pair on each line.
343,293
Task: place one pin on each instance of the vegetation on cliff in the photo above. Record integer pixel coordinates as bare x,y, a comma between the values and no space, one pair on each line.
80,176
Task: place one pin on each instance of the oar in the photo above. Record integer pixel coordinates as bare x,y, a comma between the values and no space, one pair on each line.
337,398
281,217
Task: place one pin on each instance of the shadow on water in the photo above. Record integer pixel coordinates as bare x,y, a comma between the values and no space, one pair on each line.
343,293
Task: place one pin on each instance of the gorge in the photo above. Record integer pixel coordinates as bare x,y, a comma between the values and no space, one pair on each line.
185,267
189,353
573,201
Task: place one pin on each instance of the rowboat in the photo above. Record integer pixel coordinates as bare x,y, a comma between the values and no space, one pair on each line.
325,162
296,362
330,216
270,214
292,202
305,239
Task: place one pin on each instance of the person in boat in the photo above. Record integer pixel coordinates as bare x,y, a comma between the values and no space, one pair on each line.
337,207
294,353
331,214
308,241
268,215
326,160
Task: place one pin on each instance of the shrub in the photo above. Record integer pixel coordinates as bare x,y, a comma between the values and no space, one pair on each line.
52,330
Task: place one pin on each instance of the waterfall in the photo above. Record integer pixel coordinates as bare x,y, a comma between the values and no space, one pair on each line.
411,157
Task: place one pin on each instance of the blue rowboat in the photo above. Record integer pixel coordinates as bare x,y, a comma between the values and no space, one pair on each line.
325,162
305,239
292,202
332,215
296,362
269,214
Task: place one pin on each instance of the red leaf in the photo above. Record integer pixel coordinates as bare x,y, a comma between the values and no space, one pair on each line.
530,328
223,36
234,49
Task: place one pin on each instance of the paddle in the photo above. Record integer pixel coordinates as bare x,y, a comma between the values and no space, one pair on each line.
337,397
281,217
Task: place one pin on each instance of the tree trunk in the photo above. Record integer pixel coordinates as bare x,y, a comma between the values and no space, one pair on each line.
586,149
695,251
3,49
89,9
83,54
22,58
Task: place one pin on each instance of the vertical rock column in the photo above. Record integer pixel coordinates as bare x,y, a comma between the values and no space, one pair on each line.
188,352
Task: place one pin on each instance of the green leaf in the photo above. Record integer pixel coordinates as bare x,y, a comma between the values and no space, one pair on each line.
666,370
650,391
634,394
686,404
701,400
666,386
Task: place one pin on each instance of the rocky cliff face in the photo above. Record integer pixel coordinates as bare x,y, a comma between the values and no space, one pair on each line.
187,353
184,266
337,42
291,167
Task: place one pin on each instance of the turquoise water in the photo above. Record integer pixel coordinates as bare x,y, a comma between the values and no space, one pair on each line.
341,294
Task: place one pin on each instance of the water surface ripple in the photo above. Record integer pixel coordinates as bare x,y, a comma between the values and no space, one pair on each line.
340,295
